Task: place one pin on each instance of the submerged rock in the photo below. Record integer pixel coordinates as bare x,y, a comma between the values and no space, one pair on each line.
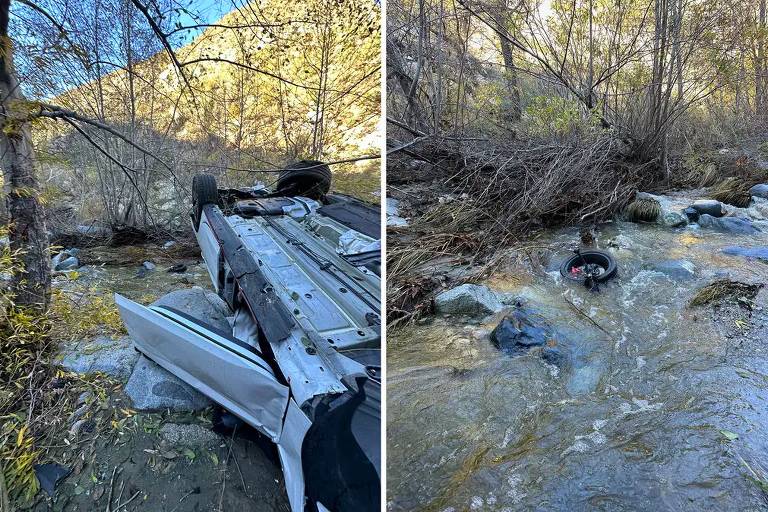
468,299
677,269
114,357
152,388
734,225
760,253
521,329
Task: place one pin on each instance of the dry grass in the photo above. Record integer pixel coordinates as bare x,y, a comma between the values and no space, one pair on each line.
734,191
725,290
643,210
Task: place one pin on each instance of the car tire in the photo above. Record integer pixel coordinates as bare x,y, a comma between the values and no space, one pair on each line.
204,191
601,258
306,178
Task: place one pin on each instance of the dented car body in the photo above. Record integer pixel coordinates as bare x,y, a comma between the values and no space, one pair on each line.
302,362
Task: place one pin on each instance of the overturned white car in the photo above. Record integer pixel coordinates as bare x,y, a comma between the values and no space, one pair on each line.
300,269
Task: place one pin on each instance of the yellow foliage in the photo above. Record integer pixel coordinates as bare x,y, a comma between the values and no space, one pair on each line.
18,457
84,312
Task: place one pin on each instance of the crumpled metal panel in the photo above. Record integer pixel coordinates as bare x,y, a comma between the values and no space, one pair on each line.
289,448
220,368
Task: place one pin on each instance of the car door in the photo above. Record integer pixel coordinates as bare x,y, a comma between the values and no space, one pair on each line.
223,368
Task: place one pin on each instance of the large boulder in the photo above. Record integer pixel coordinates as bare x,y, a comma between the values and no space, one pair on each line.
151,388
760,191
201,305
468,299
732,225
114,357
759,253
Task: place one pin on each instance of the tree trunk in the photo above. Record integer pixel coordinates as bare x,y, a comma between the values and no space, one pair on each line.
761,67
512,109
27,234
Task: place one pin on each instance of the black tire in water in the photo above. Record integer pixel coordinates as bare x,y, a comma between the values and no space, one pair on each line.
306,178
602,259
204,192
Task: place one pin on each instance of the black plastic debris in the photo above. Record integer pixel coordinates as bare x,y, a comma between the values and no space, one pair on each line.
49,475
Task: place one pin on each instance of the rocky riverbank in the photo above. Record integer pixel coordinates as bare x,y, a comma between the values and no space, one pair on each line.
539,394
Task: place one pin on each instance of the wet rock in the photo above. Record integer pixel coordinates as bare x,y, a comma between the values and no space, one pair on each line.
204,306
555,356
760,253
733,225
676,269
152,388
178,268
468,299
708,207
195,436
760,191
520,330
673,219
692,214
114,357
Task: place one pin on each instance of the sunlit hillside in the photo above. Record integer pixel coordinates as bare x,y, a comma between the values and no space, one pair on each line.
263,86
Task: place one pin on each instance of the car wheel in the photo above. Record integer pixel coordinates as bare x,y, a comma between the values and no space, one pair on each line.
204,192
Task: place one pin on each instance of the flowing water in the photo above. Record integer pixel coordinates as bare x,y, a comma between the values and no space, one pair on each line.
643,417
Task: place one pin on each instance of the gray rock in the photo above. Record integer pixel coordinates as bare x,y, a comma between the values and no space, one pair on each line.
169,244
468,299
151,388
677,269
70,263
673,219
201,305
692,214
188,435
115,357
708,207
760,253
733,225
149,265
760,191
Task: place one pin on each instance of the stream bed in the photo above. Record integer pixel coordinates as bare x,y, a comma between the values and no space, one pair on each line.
660,406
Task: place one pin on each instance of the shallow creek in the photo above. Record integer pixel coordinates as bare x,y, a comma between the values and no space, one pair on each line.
639,419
